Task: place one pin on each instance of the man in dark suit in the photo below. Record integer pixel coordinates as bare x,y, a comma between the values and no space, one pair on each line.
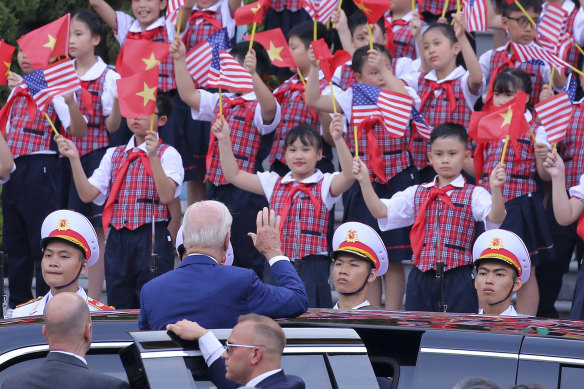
201,290
251,357
68,331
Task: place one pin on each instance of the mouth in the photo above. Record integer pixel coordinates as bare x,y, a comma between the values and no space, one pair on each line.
298,163
342,280
143,14
433,59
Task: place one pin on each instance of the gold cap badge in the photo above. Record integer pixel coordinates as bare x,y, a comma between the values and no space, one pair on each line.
63,225
496,243
352,236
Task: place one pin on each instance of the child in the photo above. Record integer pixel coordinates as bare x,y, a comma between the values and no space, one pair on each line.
395,173
444,214
359,257
206,17
250,116
303,199
138,180
568,210
103,115
502,266
400,41
520,31
448,92
37,171
525,213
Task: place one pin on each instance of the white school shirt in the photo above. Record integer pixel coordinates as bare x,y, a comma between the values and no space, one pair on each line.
33,307
510,311
227,21
4,180
412,78
127,24
109,85
401,206
577,191
209,101
170,160
365,303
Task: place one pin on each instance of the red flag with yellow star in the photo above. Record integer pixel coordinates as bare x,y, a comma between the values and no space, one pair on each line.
276,46
328,62
252,13
137,94
6,53
50,40
141,55
373,9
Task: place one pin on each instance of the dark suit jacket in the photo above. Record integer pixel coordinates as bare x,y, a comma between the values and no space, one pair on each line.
214,296
63,371
279,380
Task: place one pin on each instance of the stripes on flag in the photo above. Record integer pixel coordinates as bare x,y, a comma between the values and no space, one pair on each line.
45,84
555,115
320,10
551,30
527,53
475,15
173,8
421,126
232,75
203,59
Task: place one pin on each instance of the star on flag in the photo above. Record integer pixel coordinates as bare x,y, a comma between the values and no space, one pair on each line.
373,9
141,55
276,46
50,40
137,94
6,53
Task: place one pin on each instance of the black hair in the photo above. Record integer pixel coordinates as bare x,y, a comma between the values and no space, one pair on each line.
446,29
163,104
358,18
27,27
478,263
533,5
239,51
93,22
305,32
512,80
447,130
360,56
307,135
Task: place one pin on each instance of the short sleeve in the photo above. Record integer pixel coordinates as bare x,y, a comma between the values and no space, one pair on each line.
578,190
329,200
268,180
172,165
101,177
124,22
109,91
207,104
258,120
400,210
481,206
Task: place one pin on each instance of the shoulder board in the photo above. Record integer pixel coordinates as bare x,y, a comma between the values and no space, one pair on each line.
99,305
30,301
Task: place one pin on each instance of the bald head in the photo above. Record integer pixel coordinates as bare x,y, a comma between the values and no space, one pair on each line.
206,225
265,332
66,320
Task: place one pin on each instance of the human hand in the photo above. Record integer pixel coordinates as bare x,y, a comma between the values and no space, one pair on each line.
459,25
546,93
187,330
250,62
359,170
498,176
416,24
66,147
267,237
336,127
554,164
541,150
151,144
177,49
13,80
312,57
220,128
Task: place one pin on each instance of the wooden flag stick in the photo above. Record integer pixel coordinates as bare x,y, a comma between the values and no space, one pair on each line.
51,123
554,148
356,141
253,30
444,9
525,13
576,70
552,77
339,8
179,21
152,122
370,36
504,149
300,76
413,5
333,97
579,48
220,103
314,29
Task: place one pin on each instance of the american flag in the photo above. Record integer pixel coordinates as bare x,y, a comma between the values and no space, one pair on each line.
393,108
231,75
203,59
173,8
418,121
45,84
570,88
552,27
320,10
555,115
475,14
529,53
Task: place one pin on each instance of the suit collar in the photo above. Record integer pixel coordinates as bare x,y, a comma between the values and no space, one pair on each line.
267,378
198,259
65,357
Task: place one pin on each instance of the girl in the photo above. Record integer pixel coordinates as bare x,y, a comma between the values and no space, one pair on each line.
525,212
441,84
303,198
99,105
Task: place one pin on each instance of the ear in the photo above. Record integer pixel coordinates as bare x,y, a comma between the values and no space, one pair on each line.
45,332
319,155
504,23
358,77
88,332
457,47
372,275
96,40
226,241
162,120
256,357
84,267
518,284
467,155
429,155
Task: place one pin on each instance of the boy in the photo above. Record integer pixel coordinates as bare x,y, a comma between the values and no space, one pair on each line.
249,116
69,244
359,257
36,170
520,31
502,266
138,180
444,214
390,165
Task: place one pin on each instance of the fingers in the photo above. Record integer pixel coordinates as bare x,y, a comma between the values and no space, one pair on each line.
253,237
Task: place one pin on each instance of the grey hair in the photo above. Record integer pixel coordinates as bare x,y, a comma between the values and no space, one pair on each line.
475,383
206,224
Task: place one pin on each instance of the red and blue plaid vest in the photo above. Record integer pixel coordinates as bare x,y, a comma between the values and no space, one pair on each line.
572,147
290,5
435,6
28,135
304,230
137,195
404,44
97,136
245,138
347,77
199,30
451,230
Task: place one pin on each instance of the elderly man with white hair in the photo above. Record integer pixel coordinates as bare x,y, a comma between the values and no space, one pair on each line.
201,290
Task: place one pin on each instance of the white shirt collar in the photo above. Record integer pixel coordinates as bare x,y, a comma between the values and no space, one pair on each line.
455,74
510,311
132,143
314,178
406,18
457,182
214,8
95,71
365,303
250,96
254,381
74,355
135,26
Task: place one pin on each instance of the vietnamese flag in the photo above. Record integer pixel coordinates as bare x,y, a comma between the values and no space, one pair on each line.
6,53
276,46
137,94
252,13
373,9
141,55
499,122
328,62
50,40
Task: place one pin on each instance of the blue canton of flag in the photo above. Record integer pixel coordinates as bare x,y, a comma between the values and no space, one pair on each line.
55,80
204,58
421,126
537,62
35,81
219,42
570,88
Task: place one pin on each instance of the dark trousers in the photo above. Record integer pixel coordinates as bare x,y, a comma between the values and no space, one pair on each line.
127,262
32,192
460,295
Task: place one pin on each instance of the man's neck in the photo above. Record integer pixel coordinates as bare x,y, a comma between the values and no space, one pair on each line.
73,288
348,302
216,254
497,309
259,371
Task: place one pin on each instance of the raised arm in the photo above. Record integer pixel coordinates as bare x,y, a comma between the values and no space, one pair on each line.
78,126
165,186
496,180
475,79
374,204
341,182
375,59
106,12
86,191
312,93
113,121
268,103
567,210
184,82
339,19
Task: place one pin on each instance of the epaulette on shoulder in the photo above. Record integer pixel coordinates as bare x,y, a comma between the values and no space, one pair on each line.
30,301
99,305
